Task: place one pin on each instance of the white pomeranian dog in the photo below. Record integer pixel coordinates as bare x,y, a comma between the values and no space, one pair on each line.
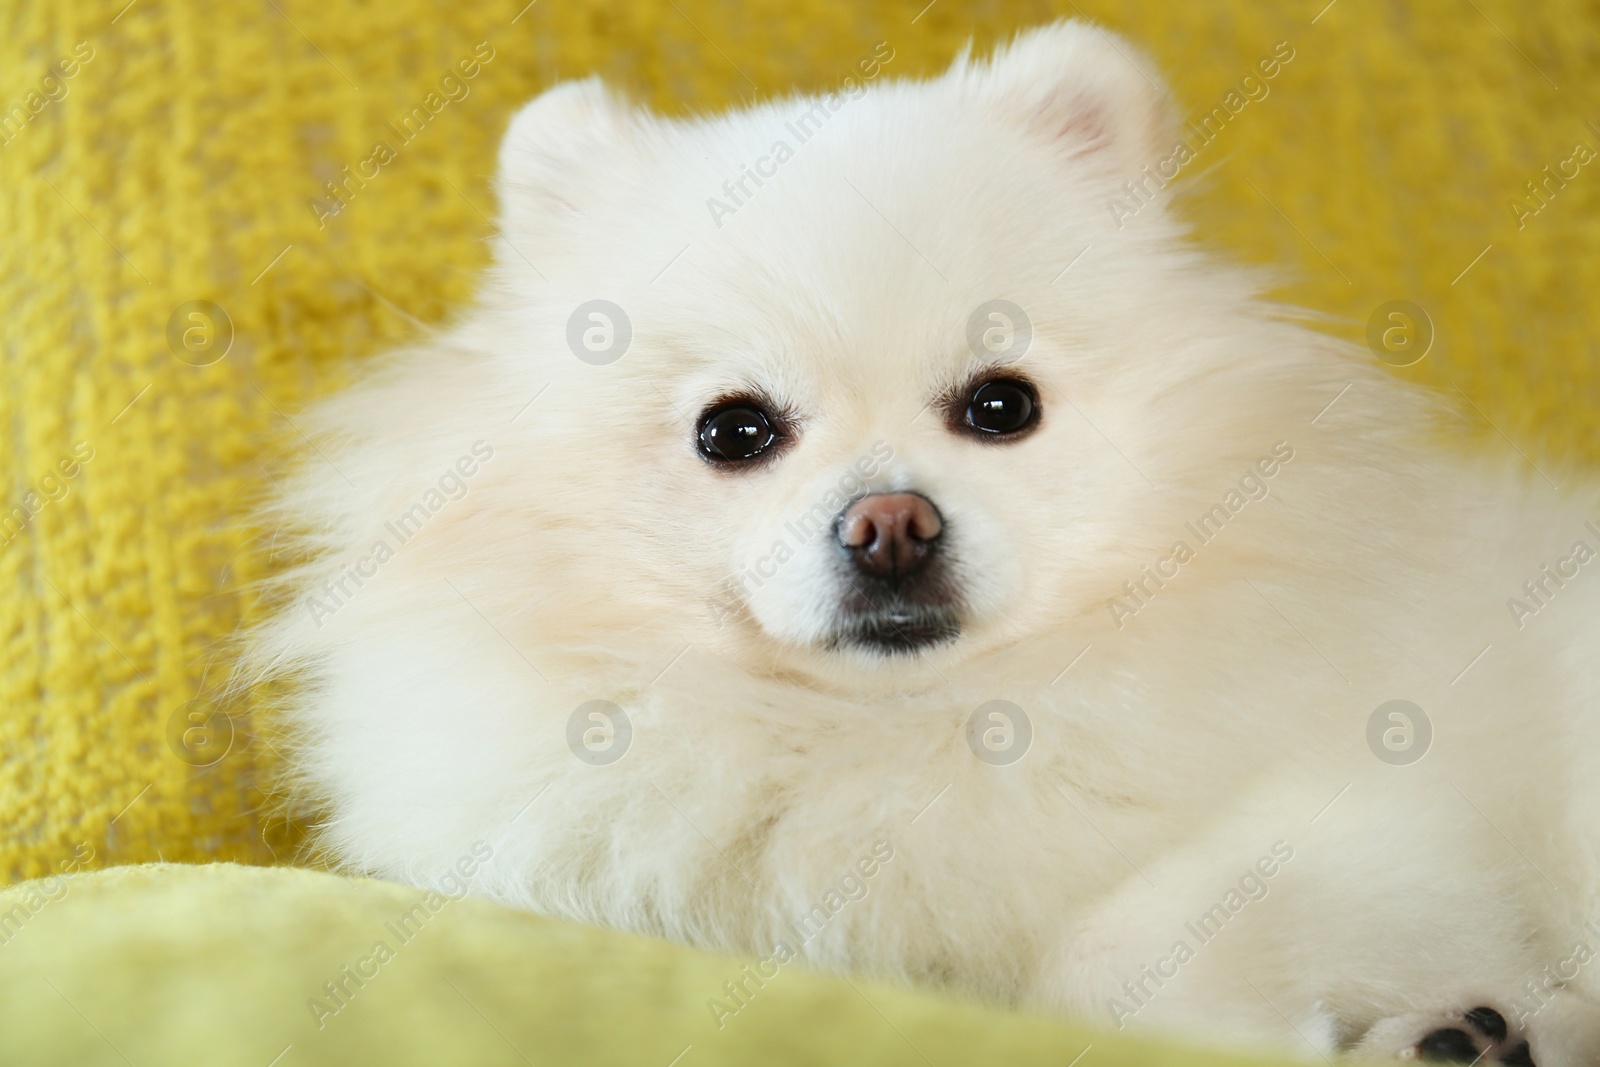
841,534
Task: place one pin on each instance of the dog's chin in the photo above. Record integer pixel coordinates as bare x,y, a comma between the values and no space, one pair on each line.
889,634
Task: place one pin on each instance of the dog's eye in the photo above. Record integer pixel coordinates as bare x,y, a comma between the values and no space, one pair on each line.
1001,407
735,432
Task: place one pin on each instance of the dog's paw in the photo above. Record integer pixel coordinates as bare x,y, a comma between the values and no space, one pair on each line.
1481,1035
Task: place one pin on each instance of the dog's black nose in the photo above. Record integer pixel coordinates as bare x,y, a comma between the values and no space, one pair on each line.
890,535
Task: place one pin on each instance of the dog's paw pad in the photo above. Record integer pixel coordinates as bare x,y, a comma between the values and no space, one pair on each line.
1449,1045
1488,1022
1477,1036
1519,1056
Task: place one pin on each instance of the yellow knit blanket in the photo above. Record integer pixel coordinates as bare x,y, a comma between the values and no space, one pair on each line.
186,259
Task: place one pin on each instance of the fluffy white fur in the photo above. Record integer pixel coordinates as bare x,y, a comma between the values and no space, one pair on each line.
589,558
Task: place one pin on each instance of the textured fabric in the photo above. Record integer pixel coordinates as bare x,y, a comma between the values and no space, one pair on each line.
223,964
179,161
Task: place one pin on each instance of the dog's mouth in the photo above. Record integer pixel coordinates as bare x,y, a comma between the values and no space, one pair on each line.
894,632
902,616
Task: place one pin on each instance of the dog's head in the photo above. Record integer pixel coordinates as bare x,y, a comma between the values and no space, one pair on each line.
841,382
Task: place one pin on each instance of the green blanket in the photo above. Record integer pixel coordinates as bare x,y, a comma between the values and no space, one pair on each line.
223,964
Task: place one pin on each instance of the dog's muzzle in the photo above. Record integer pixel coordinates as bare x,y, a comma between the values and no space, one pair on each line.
899,596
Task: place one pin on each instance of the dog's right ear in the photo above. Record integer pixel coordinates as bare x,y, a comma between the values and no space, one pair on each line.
553,150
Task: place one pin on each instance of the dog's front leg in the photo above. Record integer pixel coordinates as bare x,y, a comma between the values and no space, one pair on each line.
1364,931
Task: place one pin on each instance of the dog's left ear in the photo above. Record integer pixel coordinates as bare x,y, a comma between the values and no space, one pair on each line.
1082,88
